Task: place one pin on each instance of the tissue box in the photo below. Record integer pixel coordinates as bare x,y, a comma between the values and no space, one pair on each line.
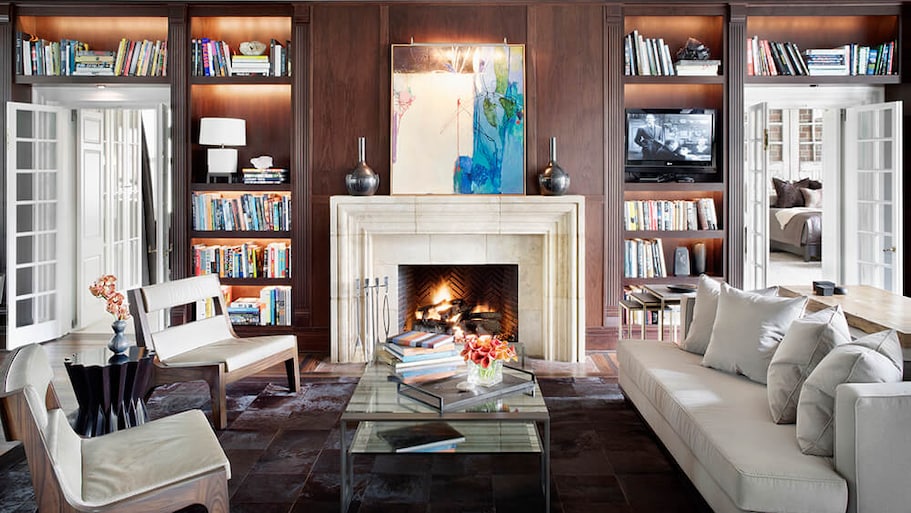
823,288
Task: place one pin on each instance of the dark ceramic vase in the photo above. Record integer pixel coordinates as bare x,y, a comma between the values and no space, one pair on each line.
119,343
362,180
553,180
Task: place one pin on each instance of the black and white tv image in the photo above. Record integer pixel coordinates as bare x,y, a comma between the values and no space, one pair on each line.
663,139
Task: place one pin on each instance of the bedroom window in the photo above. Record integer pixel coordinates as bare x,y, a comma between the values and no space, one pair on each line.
795,143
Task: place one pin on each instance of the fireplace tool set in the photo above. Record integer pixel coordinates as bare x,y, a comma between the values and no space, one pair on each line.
375,313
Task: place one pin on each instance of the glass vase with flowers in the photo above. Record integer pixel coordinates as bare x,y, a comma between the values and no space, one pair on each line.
485,355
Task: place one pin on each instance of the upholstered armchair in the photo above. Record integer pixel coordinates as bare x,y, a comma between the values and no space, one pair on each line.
206,348
162,465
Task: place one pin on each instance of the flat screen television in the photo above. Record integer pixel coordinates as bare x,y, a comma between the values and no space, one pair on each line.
670,140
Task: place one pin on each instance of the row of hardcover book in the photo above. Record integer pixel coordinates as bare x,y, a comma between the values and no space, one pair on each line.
769,58
418,356
698,214
256,212
646,55
246,260
74,58
644,258
271,308
213,58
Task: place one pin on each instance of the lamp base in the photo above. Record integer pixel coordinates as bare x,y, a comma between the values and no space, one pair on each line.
219,178
222,164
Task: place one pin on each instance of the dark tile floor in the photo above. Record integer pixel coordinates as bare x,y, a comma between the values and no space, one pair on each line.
284,452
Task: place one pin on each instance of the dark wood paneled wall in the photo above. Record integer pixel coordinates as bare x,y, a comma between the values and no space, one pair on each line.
564,99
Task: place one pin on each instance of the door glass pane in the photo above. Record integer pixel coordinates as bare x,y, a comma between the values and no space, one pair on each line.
25,249
866,186
886,124
47,185
24,155
24,187
886,155
886,180
870,275
47,155
25,221
865,124
47,216
866,216
24,125
869,247
48,123
24,312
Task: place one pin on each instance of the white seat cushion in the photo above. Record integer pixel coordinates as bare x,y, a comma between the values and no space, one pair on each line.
234,353
140,459
724,419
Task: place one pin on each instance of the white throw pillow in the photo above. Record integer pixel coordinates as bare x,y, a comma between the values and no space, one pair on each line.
748,328
875,358
806,343
704,308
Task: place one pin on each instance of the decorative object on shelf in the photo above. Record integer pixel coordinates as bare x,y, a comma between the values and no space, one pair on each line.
485,356
699,258
105,288
458,119
362,180
682,261
252,47
553,180
694,50
261,162
221,132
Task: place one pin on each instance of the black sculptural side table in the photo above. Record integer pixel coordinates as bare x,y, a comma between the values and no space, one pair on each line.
110,388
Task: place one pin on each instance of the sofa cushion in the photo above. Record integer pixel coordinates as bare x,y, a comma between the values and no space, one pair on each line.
699,330
875,358
724,420
805,344
748,328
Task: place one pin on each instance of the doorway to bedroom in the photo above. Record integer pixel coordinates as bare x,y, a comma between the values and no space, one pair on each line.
808,164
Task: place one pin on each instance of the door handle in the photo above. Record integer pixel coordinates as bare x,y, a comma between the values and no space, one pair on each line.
889,250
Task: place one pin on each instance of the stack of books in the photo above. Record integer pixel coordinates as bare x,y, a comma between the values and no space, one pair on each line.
851,59
271,308
646,55
644,259
425,437
693,68
770,58
93,63
247,65
269,175
418,356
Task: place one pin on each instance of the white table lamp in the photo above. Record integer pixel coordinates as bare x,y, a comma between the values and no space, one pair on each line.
222,132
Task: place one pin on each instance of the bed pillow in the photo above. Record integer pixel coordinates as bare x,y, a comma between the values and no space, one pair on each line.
700,329
812,198
748,328
814,184
789,192
875,358
807,342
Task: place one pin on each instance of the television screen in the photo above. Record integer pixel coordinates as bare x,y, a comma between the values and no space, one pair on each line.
670,138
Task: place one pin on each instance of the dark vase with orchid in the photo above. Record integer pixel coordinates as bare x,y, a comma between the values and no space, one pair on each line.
105,288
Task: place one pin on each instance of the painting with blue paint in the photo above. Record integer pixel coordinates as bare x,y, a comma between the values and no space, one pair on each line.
458,119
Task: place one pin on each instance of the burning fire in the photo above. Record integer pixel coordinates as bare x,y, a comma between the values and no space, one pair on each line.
446,309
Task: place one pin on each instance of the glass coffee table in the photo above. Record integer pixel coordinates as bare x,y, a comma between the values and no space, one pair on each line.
517,423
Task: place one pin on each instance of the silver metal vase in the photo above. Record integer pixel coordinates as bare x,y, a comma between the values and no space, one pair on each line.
362,180
553,180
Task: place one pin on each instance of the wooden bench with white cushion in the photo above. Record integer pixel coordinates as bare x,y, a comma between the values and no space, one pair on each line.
208,348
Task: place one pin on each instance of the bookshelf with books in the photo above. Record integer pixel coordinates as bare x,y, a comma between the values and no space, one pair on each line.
658,217
243,230
63,46
856,46
651,45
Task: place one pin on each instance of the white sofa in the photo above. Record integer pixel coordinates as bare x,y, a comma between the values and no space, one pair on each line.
718,428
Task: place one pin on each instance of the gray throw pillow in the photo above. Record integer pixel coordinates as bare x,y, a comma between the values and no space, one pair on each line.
704,308
875,358
807,342
748,328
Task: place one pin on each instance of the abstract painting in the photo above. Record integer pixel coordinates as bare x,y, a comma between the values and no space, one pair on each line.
458,119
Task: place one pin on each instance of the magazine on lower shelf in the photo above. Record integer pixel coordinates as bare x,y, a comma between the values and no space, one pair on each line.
424,437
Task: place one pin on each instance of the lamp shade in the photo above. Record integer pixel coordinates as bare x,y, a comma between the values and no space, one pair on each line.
222,132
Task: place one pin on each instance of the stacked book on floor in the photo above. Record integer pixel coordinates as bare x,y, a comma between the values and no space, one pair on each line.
418,356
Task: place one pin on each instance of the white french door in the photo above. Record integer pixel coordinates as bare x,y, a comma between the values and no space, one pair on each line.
873,196
756,204
90,244
39,241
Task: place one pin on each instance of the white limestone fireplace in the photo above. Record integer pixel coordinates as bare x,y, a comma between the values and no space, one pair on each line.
544,235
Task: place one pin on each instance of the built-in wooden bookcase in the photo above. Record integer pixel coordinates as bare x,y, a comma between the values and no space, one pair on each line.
265,103
679,92
809,29
99,32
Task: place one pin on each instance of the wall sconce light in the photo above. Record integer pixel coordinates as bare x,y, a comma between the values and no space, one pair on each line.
221,132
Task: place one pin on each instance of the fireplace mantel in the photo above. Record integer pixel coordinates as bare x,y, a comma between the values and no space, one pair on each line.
544,235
